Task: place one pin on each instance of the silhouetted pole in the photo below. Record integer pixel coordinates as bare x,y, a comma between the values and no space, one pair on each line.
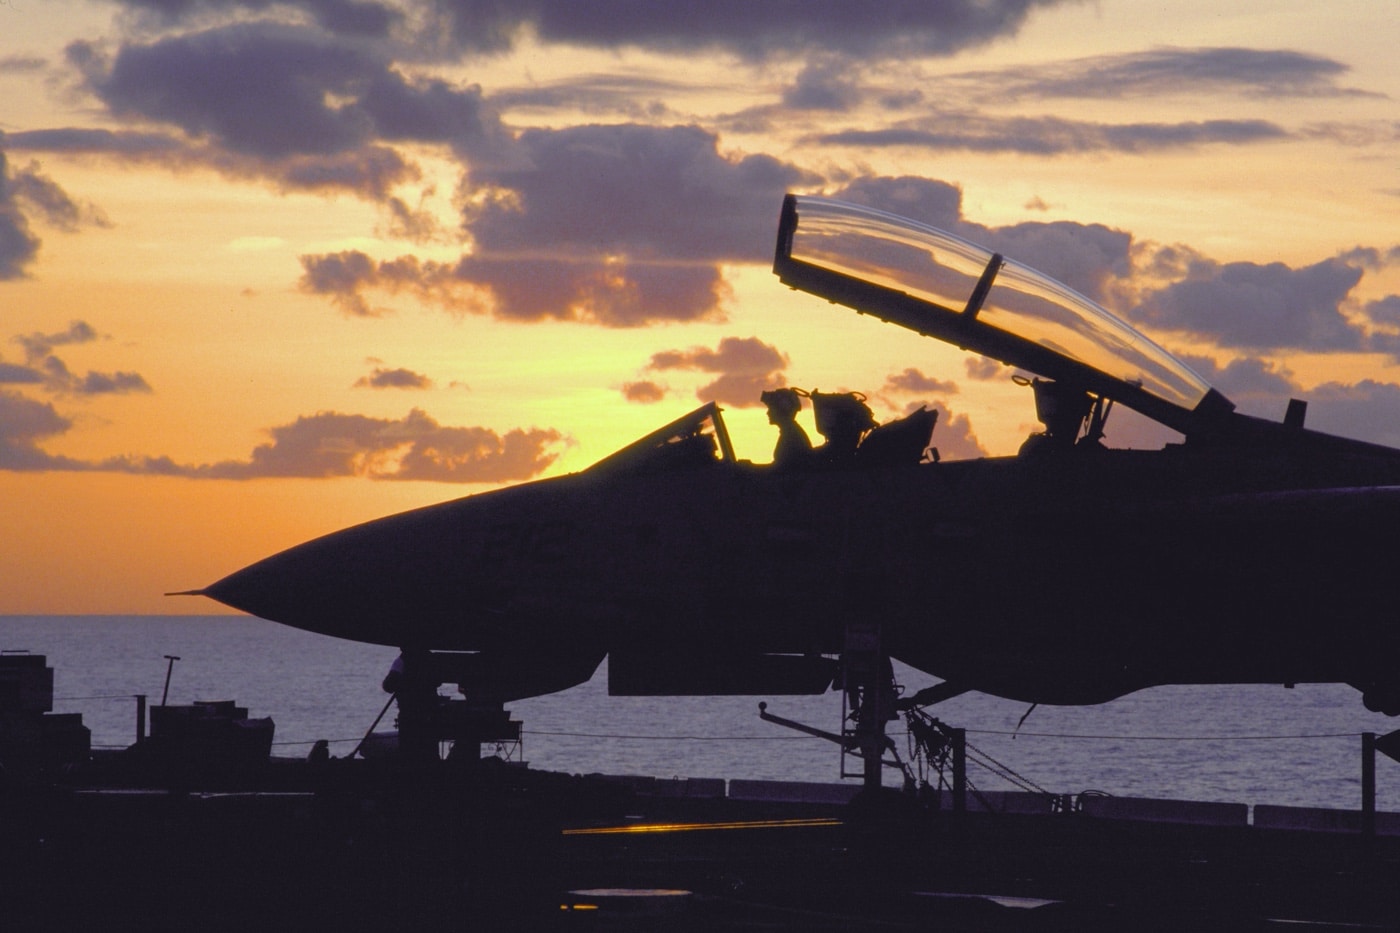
874,768
140,718
168,668
1368,783
369,732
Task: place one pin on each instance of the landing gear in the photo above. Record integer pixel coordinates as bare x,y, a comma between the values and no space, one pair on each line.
870,701
870,695
427,720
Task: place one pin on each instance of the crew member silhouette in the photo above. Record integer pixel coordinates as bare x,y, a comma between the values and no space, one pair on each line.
843,419
793,445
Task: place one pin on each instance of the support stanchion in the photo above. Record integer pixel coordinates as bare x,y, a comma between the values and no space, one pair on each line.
1368,783
959,742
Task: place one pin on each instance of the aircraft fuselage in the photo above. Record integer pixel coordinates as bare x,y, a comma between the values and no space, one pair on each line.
1071,578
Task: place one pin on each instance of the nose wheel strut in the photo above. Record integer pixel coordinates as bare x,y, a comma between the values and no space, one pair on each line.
426,719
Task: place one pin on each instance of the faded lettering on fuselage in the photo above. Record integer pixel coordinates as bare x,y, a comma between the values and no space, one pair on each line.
531,542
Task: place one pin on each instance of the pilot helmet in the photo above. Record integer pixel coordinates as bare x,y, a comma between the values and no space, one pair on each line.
842,413
782,402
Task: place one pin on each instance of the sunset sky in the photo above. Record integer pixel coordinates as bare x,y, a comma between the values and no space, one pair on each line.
271,268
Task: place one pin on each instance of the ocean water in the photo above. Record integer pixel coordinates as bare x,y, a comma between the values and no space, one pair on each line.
1247,744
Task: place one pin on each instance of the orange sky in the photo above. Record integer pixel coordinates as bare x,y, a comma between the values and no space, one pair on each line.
251,253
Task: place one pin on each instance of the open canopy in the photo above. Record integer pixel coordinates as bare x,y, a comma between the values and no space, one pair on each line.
943,286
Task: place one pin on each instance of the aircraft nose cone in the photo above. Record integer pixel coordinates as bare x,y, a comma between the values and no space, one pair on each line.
393,582
296,588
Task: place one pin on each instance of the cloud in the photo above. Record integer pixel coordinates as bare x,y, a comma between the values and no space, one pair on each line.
54,374
611,292
641,98
415,447
745,368
1090,258
1355,134
827,84
971,131
913,382
273,91
290,103
399,378
257,88
615,225
1244,377
1247,305
18,246
370,171
24,423
357,18
639,191
953,436
1162,72
328,444
39,345
972,124
1257,386
779,28
1366,410
1369,257
52,202
325,445
734,354
937,203
1383,311
411,223
21,64
644,392
984,368
75,140
14,374
340,276
1174,289
345,276
117,383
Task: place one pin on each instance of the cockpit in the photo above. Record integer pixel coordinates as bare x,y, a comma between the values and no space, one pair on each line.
694,440
940,285
853,439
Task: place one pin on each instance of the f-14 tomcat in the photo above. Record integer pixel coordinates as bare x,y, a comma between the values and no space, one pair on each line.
1252,551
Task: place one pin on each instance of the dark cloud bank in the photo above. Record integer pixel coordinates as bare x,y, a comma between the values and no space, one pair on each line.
752,30
615,225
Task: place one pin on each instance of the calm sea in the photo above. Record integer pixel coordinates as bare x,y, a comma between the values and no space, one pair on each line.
1245,744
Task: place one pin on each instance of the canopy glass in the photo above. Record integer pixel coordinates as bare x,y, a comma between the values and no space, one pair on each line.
979,289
